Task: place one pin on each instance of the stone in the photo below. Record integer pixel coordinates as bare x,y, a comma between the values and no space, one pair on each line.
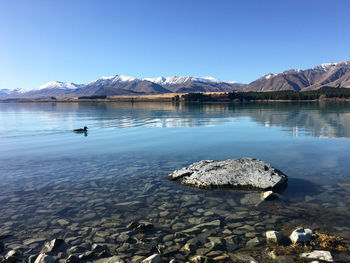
11,256
155,258
273,237
168,237
196,220
246,173
268,196
32,258
199,259
72,259
163,213
254,242
123,237
33,240
62,222
227,232
87,255
242,258
283,259
209,213
197,228
52,245
114,259
137,259
104,254
232,243
215,242
301,235
252,198
216,222
221,258
318,255
187,248
43,258
98,248
141,227
178,226
76,250
214,253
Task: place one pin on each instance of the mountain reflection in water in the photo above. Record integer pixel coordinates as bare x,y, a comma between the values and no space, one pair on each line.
330,120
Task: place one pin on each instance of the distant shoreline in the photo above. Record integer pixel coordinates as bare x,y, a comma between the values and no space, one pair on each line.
323,94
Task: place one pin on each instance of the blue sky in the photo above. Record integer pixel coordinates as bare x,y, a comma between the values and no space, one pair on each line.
79,41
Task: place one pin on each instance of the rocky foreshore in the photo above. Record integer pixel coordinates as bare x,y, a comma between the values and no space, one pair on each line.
142,214
198,244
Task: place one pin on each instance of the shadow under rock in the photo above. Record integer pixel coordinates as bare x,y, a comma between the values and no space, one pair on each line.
299,188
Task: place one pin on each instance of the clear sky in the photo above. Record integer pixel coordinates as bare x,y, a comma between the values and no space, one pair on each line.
80,40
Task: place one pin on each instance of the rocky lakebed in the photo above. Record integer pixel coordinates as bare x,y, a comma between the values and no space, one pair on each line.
199,219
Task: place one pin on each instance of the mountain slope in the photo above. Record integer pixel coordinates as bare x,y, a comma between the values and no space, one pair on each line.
180,84
328,74
125,85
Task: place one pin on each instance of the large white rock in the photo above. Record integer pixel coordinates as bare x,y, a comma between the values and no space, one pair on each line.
246,173
318,254
301,235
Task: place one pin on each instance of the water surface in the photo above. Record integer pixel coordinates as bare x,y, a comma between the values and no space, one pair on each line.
56,183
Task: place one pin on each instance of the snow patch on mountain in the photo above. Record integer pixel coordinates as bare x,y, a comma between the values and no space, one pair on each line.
59,85
268,76
5,91
11,92
176,80
114,79
325,66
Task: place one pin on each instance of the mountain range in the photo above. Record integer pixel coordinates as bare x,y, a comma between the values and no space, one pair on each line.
328,74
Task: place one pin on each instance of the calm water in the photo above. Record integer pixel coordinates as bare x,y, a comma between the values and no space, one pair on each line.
56,183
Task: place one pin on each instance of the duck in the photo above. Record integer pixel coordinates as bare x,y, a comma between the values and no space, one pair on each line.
81,130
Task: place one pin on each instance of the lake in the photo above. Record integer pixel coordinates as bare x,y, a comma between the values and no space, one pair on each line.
86,188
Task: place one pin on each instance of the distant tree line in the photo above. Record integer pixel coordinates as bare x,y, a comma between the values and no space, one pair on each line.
91,97
322,93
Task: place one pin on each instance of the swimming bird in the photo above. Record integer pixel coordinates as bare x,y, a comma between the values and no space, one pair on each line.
81,130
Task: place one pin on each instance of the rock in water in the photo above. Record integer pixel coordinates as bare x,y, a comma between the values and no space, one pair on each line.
244,173
318,254
268,196
43,258
301,235
155,258
273,237
11,256
52,245
141,227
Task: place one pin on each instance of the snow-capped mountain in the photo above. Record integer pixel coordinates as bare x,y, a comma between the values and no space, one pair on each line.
60,85
5,91
181,84
327,74
176,80
11,92
120,85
